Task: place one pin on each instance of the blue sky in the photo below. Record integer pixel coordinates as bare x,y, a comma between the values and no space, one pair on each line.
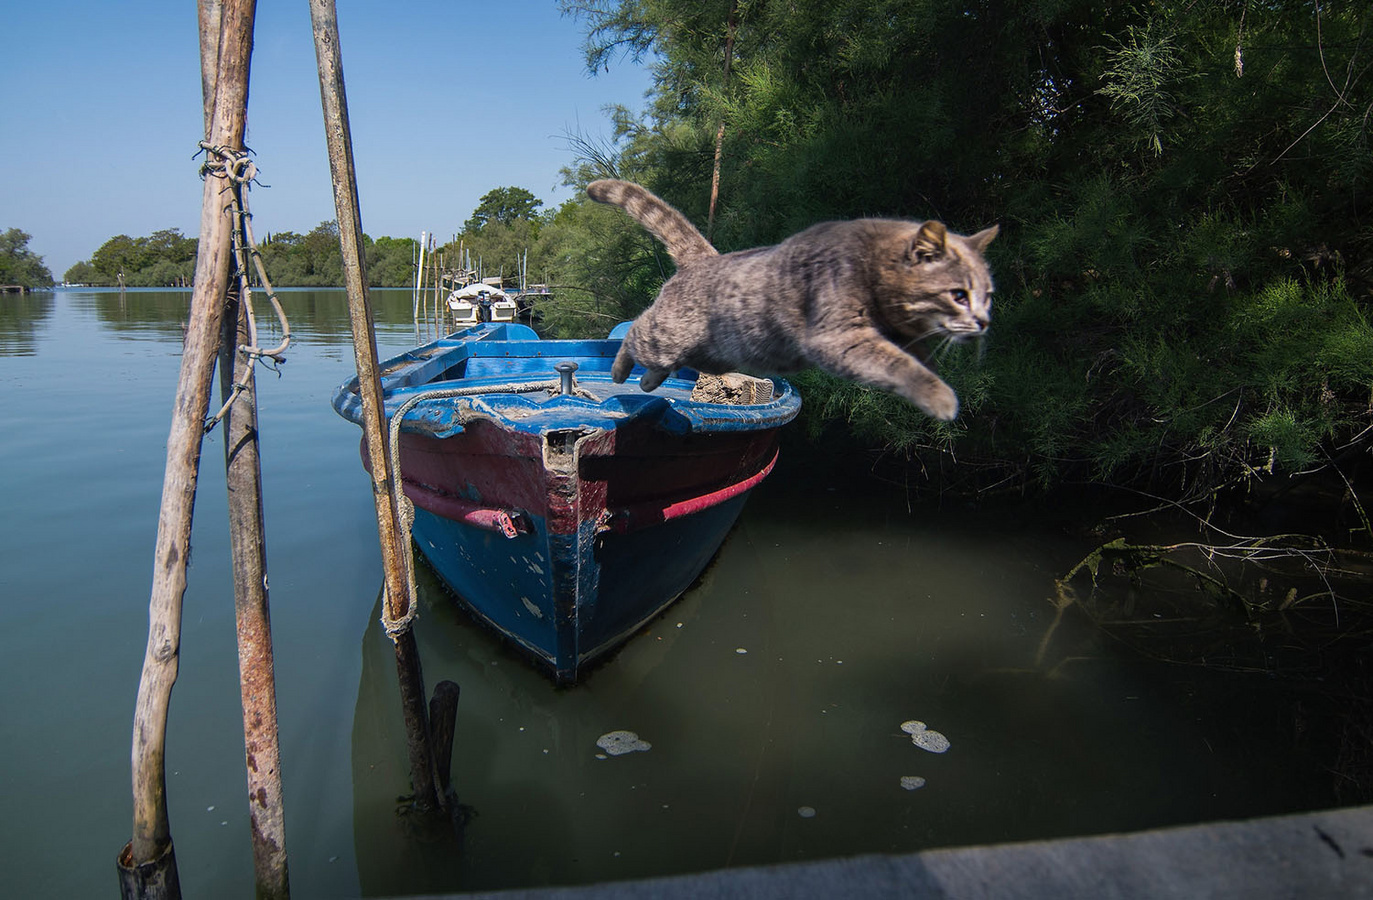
100,114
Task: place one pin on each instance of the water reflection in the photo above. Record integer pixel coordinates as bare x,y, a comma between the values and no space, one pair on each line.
22,318
782,697
138,313
857,612
315,314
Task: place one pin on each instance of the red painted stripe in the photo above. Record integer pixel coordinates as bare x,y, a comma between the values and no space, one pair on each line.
507,522
645,514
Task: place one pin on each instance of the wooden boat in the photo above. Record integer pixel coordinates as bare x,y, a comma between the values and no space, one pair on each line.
562,509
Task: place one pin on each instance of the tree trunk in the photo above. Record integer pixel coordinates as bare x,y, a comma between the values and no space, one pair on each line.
730,27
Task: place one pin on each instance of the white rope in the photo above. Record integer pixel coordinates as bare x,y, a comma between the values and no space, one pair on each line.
405,509
239,170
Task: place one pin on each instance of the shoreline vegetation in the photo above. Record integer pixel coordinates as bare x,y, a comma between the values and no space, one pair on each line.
1185,267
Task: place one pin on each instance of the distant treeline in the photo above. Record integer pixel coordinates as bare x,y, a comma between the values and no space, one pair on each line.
167,259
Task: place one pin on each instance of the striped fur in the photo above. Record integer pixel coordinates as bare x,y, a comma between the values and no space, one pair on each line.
684,243
853,298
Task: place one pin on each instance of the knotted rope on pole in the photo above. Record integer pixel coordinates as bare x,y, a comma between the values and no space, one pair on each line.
239,170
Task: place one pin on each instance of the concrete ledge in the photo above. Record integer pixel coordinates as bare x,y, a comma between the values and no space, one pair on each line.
1315,855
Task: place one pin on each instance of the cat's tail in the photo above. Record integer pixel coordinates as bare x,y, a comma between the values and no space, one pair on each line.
684,243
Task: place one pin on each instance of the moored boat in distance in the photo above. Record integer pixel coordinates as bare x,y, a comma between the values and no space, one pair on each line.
564,510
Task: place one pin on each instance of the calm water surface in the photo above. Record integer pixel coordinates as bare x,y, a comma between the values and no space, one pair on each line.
773,694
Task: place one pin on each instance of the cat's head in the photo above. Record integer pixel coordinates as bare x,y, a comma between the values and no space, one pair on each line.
938,283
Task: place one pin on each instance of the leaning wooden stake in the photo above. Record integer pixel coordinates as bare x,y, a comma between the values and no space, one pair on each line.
398,601
252,618
248,545
148,863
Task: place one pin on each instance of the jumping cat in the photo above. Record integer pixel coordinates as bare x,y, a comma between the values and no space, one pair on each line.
852,298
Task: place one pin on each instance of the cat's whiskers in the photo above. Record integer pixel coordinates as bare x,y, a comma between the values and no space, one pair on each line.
943,346
929,331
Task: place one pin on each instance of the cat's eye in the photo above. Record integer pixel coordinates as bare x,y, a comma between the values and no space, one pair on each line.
959,296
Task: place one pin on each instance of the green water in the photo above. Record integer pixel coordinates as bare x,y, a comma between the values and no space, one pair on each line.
773,694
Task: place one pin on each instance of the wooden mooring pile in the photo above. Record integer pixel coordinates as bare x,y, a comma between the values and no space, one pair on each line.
219,332
436,278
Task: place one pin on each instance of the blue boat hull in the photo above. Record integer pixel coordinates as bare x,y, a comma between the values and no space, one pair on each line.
628,579
567,520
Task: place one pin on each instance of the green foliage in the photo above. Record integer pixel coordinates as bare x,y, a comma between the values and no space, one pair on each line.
20,265
161,259
167,258
390,261
1185,266
503,206
1138,72
602,267
81,273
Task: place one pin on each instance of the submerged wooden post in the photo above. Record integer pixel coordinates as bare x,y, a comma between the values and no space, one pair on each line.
443,720
248,546
398,601
147,864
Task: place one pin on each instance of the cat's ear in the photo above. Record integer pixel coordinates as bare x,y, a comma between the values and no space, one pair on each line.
929,243
984,237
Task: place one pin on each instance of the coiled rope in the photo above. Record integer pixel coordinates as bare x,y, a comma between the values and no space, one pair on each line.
240,171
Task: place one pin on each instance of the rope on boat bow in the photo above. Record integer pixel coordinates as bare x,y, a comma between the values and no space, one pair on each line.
405,508
240,171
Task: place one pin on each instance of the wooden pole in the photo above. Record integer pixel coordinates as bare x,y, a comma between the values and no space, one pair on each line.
248,546
252,616
419,283
443,716
338,136
148,862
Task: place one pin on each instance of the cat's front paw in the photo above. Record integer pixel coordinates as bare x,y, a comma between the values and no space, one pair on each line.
938,401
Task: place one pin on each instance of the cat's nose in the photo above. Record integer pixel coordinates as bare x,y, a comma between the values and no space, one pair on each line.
982,322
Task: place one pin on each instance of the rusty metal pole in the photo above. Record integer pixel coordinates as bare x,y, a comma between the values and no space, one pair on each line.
333,98
248,545
147,864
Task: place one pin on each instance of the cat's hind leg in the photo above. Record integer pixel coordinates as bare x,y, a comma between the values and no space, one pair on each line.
650,380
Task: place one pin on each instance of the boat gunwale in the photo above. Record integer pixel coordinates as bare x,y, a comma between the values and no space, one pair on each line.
419,370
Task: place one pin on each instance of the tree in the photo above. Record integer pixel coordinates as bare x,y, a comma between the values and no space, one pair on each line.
503,206
167,258
120,255
1186,264
18,264
324,255
81,273
305,260
164,258
391,261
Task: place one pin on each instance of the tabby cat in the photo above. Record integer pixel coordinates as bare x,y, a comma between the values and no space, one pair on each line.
852,298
